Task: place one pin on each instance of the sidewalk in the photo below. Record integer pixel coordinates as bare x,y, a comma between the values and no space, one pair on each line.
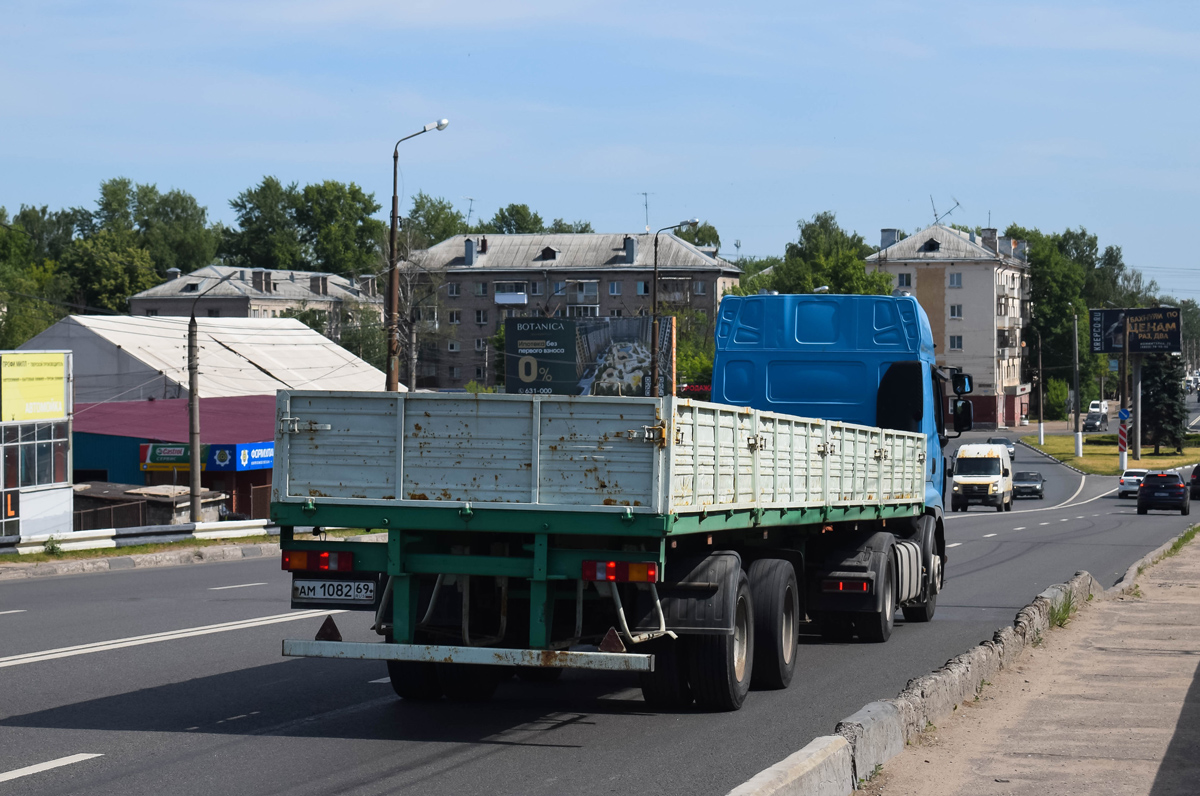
1109,704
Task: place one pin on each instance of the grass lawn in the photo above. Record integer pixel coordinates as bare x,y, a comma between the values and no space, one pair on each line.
1100,453
132,550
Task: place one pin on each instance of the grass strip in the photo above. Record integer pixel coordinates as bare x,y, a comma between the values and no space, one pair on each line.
1101,458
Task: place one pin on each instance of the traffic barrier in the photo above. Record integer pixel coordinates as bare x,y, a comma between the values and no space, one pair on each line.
145,534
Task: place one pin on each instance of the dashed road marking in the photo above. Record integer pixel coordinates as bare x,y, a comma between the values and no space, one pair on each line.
15,611
988,535
239,586
956,544
1019,529
1043,523
49,764
1065,519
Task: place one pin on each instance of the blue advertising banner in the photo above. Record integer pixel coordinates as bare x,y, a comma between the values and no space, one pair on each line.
214,458
256,456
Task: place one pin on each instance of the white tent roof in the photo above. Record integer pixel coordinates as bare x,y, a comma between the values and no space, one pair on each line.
135,357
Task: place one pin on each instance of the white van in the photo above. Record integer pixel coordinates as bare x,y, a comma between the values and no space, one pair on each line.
982,476
1099,406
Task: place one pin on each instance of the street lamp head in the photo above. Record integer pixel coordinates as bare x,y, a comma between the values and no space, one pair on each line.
821,289
441,124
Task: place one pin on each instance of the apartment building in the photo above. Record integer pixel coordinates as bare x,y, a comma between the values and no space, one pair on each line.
256,293
976,291
477,281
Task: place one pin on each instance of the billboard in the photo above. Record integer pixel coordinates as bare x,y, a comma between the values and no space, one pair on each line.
160,456
586,356
1151,331
33,386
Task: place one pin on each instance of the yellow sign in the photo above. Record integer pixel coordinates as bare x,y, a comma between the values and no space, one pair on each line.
33,386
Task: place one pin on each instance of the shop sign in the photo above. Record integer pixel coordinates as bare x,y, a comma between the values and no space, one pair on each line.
33,386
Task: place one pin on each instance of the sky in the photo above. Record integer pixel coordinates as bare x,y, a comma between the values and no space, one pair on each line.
750,115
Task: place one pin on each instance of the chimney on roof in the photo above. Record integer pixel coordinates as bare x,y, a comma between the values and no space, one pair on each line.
989,238
888,237
173,273
483,245
1004,245
242,275
630,249
1022,250
261,279
469,252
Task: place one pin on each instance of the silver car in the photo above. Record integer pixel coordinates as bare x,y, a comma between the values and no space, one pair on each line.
1129,483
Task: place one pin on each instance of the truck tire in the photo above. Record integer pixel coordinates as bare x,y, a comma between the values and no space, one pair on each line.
1008,504
921,612
1000,505
877,627
776,619
464,682
416,681
666,686
719,666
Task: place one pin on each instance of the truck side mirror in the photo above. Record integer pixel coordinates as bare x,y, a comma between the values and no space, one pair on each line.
1006,472
964,415
963,384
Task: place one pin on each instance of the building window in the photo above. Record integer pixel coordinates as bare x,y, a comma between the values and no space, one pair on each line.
510,287
455,317
481,344
428,370
480,316
614,288
699,287
614,313
643,288
254,312
903,280
583,311
558,312
453,347
956,311
535,288
481,289
151,312
456,372
191,287
956,280
560,288
36,455
214,313
274,313
453,289
587,292
956,342
480,374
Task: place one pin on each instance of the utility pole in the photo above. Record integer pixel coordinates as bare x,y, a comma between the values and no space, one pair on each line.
1124,452
1079,436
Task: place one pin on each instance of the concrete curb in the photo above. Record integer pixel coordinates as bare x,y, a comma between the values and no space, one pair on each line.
822,768
1127,581
170,558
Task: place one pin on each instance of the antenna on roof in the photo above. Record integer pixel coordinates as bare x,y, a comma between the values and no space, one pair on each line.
470,207
646,201
737,244
936,218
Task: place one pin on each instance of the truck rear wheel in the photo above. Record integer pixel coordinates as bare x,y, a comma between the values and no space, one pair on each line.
719,667
776,618
877,627
464,682
416,681
667,685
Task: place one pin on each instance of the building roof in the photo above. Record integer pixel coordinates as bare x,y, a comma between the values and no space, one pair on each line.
948,244
285,285
223,421
128,493
127,358
574,250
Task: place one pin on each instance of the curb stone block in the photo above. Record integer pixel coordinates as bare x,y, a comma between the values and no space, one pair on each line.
875,734
822,768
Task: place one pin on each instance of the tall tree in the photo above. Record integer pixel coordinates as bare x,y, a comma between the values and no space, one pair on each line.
337,229
51,231
1164,416
267,234
432,220
514,219
704,234
559,225
108,267
824,256
173,228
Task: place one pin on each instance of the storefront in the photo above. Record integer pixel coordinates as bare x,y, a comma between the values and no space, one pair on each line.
243,471
35,443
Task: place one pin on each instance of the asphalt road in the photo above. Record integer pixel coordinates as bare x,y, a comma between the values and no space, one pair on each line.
195,709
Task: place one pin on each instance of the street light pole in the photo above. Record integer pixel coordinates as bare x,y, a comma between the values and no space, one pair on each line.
1041,395
654,387
391,308
193,354
1078,400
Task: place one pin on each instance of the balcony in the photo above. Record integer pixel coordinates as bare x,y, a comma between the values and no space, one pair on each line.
1008,322
511,299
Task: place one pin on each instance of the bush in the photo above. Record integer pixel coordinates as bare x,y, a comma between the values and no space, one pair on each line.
1056,399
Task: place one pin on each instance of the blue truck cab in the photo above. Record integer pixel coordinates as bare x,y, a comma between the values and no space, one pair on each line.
868,360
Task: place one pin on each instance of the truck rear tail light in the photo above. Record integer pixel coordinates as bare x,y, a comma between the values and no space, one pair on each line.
318,561
621,571
854,586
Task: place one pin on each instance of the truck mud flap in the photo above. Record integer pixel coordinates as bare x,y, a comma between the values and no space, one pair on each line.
701,602
486,656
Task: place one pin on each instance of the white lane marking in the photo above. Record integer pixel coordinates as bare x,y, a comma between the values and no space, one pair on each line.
153,638
380,680
239,586
1043,523
17,611
1062,505
49,764
1019,529
1065,519
956,544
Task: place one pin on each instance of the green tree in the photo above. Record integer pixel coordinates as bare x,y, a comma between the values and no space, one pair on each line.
173,229
1163,411
559,225
703,234
267,234
515,219
337,230
108,267
694,347
1057,393
431,221
31,288
824,255
51,231
362,333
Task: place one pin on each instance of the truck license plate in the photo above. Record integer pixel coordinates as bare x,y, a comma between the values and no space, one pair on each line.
350,591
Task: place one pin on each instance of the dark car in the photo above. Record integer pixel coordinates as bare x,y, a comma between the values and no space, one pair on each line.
1196,482
1095,421
1029,484
1006,442
1163,491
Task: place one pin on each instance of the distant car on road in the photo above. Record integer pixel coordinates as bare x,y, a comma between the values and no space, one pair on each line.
1130,481
1007,443
1029,484
1195,490
1163,491
1095,421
